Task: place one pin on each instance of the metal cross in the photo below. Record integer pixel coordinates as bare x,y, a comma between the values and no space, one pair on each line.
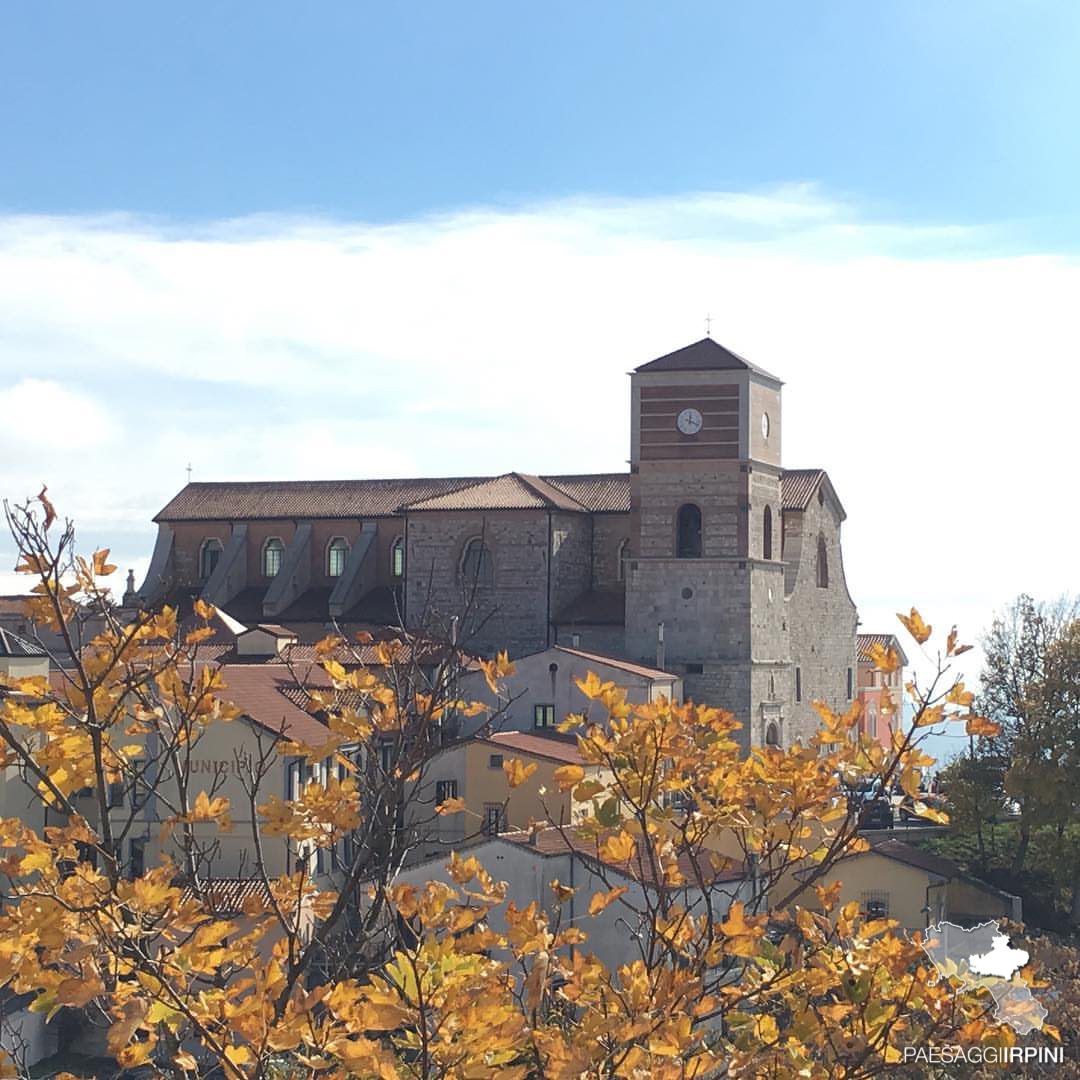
708,325
189,472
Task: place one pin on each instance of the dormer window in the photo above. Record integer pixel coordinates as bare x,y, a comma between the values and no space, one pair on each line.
208,558
273,550
337,552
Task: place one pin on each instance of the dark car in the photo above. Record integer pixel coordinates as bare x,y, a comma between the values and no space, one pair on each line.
876,814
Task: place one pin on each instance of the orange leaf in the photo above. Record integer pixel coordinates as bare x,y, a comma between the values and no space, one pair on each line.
517,772
601,900
979,725
450,806
915,626
50,512
568,776
618,848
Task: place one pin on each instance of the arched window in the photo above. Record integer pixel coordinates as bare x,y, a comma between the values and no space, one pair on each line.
337,552
766,534
476,567
772,735
397,557
208,557
623,558
822,564
273,549
688,532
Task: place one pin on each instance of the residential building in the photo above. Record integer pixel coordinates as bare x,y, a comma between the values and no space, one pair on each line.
880,692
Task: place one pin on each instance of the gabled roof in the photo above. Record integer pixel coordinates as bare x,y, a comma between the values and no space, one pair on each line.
561,841
545,746
898,851
798,487
512,491
12,645
703,355
243,501
886,641
619,665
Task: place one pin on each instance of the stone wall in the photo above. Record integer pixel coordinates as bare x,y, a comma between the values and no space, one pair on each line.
821,621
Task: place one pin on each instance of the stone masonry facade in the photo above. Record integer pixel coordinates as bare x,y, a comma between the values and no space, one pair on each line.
708,558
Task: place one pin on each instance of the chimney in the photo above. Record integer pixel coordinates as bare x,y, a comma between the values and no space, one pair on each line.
660,656
130,597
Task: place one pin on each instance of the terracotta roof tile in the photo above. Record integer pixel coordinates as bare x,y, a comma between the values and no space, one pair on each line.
865,641
245,501
546,746
620,665
797,487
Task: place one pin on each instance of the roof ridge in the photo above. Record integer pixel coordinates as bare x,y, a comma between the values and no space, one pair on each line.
542,489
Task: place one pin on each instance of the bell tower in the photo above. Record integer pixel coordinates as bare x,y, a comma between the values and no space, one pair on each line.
706,531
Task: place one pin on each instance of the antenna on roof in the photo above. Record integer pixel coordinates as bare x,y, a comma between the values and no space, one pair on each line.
189,472
708,325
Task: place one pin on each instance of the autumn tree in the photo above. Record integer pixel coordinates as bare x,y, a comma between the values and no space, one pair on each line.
785,983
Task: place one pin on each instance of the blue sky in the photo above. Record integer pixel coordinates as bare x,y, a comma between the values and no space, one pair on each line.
343,240
959,112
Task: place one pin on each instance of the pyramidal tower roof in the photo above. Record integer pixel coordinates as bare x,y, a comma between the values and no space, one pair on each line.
704,355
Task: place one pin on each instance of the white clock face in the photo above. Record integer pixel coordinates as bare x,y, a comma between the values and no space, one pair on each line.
689,421
764,425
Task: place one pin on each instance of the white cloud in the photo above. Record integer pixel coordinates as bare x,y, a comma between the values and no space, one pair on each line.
932,374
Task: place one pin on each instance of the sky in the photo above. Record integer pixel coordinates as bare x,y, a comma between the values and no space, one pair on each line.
354,239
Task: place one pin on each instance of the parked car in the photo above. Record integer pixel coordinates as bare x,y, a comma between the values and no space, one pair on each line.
876,813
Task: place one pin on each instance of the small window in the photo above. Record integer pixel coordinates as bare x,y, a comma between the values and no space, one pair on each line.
116,794
397,558
623,558
688,532
695,669
294,784
850,684
543,716
822,564
495,761
273,550
476,566
494,819
386,755
209,557
445,789
875,905
772,735
798,684
766,534
336,554
137,862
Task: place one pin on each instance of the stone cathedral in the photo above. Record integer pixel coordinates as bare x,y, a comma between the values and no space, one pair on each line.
708,558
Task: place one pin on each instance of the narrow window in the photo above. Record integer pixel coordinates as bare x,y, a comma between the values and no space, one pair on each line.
208,558
543,716
766,534
273,549
445,789
772,735
688,532
494,820
822,564
850,684
623,557
336,554
495,761
476,563
137,862
798,684
397,558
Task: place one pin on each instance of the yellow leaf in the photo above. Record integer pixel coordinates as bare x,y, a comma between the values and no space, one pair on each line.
517,772
239,1055
602,900
618,848
102,568
450,806
915,626
567,776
